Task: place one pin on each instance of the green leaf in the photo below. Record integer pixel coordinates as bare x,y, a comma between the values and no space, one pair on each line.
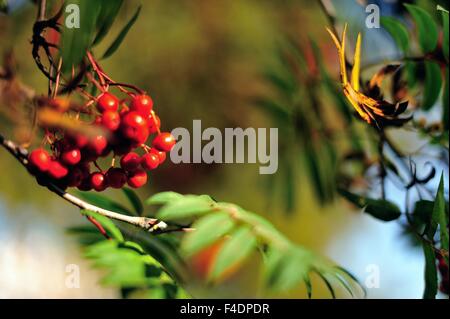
108,224
327,283
189,206
207,231
398,32
445,102
378,208
118,41
427,29
382,209
274,110
445,29
76,41
286,270
440,218
134,200
423,210
432,85
431,278
163,198
235,249
104,202
107,15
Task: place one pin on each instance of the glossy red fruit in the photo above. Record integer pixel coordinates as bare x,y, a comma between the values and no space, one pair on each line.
137,179
71,157
154,123
161,155
164,142
98,181
134,127
98,145
107,102
111,120
149,161
142,104
130,161
39,159
56,170
116,177
79,140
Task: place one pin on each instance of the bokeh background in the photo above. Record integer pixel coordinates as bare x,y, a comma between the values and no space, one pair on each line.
199,60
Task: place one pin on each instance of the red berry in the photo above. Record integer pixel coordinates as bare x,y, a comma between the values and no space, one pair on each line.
154,123
107,102
137,179
164,142
116,177
149,161
79,140
40,159
56,170
142,104
130,161
111,120
75,177
98,181
71,157
98,145
134,127
85,185
161,155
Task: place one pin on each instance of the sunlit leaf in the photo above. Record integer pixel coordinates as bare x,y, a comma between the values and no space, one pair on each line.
107,224
163,198
234,250
208,229
185,208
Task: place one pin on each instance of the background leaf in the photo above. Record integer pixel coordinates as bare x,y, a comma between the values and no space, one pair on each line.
432,85
431,279
106,17
134,200
445,29
427,29
398,32
123,33
208,229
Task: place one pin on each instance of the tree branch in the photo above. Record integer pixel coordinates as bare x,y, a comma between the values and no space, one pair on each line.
149,224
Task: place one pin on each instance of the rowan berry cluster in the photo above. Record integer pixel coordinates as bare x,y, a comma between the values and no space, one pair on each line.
126,125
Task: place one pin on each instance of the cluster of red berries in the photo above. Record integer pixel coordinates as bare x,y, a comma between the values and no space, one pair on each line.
127,127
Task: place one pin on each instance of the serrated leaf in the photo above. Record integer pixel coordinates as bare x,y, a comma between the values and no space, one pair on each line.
189,206
107,224
134,200
163,198
398,32
76,41
107,15
445,29
208,230
104,202
123,33
432,85
234,250
431,278
427,29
